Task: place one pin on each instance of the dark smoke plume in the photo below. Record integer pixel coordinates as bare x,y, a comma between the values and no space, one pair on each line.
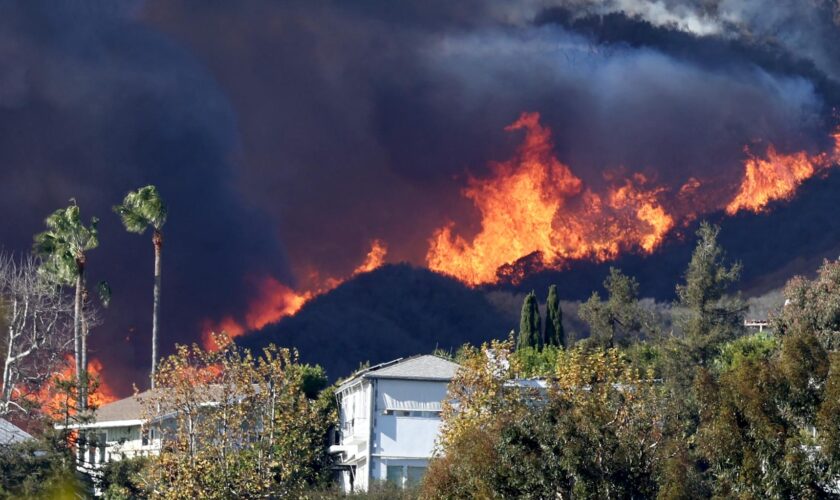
288,135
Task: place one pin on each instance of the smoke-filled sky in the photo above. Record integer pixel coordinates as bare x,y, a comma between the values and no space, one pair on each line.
286,136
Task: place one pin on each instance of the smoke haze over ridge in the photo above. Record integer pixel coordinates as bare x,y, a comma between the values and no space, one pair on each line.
287,135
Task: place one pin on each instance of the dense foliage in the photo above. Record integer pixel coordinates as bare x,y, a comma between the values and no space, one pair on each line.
41,468
235,425
704,410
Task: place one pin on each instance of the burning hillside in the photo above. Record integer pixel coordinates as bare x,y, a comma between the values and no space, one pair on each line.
533,208
533,203
777,176
276,301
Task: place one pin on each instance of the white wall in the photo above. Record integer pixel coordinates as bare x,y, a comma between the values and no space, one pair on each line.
397,440
407,436
354,419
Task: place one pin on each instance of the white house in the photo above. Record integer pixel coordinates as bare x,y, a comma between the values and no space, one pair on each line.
389,418
117,431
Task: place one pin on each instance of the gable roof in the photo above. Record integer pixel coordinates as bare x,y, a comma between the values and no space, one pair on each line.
12,434
420,367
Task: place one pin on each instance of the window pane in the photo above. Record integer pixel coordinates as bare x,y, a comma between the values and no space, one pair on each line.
394,474
415,475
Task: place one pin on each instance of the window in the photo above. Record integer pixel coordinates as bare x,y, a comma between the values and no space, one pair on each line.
394,475
412,413
415,475
101,439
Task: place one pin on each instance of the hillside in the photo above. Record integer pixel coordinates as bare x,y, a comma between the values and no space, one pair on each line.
394,311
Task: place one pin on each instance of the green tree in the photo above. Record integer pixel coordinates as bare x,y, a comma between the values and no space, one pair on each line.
554,333
39,468
63,246
208,403
756,423
828,418
593,431
618,317
141,209
530,334
120,479
813,305
709,318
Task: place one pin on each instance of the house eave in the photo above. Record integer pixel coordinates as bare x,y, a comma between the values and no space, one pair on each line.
102,425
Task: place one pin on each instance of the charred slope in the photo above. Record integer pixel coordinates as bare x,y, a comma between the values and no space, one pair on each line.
394,311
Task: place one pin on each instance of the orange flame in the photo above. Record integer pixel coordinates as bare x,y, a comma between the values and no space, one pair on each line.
276,300
534,205
777,177
51,398
374,258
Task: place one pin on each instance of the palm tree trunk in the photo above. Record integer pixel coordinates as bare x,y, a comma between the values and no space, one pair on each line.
77,335
85,332
157,241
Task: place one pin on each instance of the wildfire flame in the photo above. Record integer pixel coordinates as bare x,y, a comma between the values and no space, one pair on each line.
51,399
534,204
777,176
276,300
374,258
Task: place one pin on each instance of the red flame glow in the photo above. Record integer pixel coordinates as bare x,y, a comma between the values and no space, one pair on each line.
777,176
276,300
51,398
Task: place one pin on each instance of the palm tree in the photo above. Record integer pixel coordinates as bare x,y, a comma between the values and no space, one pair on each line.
63,246
139,210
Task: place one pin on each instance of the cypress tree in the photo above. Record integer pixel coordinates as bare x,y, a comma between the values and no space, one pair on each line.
554,334
529,323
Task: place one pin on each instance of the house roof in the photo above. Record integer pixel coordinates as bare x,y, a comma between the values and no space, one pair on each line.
127,409
420,367
130,411
12,434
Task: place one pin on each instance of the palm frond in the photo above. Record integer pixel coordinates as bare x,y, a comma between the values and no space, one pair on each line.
64,241
142,208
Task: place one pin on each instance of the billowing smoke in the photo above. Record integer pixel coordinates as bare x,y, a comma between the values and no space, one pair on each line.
287,136
93,104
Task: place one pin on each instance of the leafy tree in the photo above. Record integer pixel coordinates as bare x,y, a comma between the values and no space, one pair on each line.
828,419
759,347
533,362
42,468
593,432
709,317
554,333
63,246
476,407
618,318
755,418
530,334
141,209
813,305
121,478
261,436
